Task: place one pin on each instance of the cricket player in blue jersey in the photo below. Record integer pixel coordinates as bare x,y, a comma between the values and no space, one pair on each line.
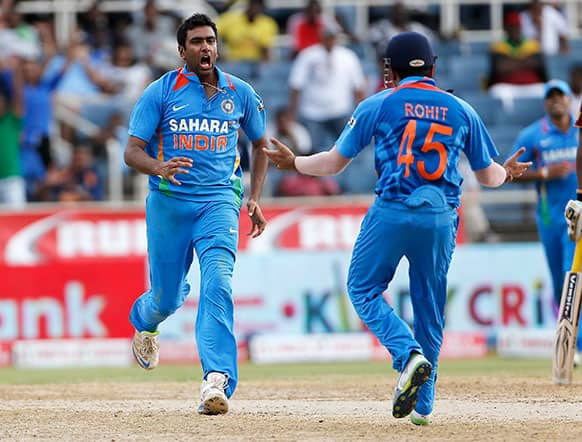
551,145
419,132
183,133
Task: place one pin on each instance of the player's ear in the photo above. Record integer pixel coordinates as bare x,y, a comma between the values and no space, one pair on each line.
182,52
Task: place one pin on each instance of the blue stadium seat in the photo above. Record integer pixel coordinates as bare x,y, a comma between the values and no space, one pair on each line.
487,107
559,66
524,112
466,73
504,136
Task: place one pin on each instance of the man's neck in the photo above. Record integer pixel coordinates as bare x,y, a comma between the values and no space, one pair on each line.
563,123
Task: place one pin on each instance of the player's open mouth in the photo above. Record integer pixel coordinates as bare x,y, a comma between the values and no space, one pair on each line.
205,62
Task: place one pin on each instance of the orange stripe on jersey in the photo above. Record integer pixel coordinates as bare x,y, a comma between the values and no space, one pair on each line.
181,79
230,85
236,162
160,145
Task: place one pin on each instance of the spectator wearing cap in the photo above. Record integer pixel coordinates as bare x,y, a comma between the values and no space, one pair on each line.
517,66
326,80
551,143
546,24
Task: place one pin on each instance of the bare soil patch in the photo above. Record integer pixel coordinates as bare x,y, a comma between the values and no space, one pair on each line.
329,409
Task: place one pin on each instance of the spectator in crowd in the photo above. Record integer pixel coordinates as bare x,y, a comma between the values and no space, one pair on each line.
247,35
279,183
517,67
128,76
17,38
547,25
305,26
576,86
551,143
12,185
476,225
79,181
152,38
96,30
325,81
399,21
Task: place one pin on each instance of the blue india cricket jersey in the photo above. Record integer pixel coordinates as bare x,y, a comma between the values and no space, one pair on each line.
176,119
545,145
419,132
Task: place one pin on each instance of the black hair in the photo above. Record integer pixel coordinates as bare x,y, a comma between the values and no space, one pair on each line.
194,21
423,71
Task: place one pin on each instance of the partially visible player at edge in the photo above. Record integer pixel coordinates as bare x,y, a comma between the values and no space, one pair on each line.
183,133
574,207
550,143
419,132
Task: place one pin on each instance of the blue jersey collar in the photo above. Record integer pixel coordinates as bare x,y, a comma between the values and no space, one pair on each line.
548,126
417,79
223,81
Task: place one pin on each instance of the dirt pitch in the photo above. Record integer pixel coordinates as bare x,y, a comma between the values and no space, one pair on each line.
467,409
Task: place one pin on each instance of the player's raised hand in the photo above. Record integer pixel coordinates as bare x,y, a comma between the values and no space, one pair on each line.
281,156
170,168
515,168
258,220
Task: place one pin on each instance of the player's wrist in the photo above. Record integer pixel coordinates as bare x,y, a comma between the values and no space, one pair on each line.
579,194
508,176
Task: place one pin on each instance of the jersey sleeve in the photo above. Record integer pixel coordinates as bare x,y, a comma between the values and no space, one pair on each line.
359,131
254,120
479,147
578,122
147,113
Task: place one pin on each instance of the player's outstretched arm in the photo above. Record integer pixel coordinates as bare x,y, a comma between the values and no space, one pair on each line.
330,162
496,174
136,157
573,209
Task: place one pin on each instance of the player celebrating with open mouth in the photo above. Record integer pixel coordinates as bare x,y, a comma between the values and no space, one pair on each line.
183,133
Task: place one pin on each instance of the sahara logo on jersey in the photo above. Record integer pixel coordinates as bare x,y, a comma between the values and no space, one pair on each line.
199,125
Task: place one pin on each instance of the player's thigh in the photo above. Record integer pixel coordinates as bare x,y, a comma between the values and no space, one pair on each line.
377,251
169,226
217,227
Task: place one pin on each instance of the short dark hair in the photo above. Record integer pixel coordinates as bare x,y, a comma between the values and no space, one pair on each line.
194,21
423,71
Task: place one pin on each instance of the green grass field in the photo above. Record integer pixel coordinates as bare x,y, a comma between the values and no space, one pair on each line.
491,365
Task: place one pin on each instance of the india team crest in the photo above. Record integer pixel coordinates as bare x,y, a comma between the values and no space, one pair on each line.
227,106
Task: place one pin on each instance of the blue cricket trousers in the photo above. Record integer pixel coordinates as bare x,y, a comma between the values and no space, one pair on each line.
425,233
175,228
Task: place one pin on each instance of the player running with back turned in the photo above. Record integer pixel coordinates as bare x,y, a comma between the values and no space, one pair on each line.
419,132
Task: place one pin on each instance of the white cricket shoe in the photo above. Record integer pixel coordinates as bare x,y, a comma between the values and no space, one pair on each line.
213,399
416,372
419,419
146,349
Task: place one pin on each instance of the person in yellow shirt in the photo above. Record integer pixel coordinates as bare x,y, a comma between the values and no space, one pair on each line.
247,35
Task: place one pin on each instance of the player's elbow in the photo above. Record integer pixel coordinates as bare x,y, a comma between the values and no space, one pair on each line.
492,176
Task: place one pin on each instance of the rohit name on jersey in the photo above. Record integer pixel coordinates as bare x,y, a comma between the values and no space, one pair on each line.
189,136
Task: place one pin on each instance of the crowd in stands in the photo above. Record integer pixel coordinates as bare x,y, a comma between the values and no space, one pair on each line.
60,105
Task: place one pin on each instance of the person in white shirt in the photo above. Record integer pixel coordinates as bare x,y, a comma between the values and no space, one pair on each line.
547,25
326,81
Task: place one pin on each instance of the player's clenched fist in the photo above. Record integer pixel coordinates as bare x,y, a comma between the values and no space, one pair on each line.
572,214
